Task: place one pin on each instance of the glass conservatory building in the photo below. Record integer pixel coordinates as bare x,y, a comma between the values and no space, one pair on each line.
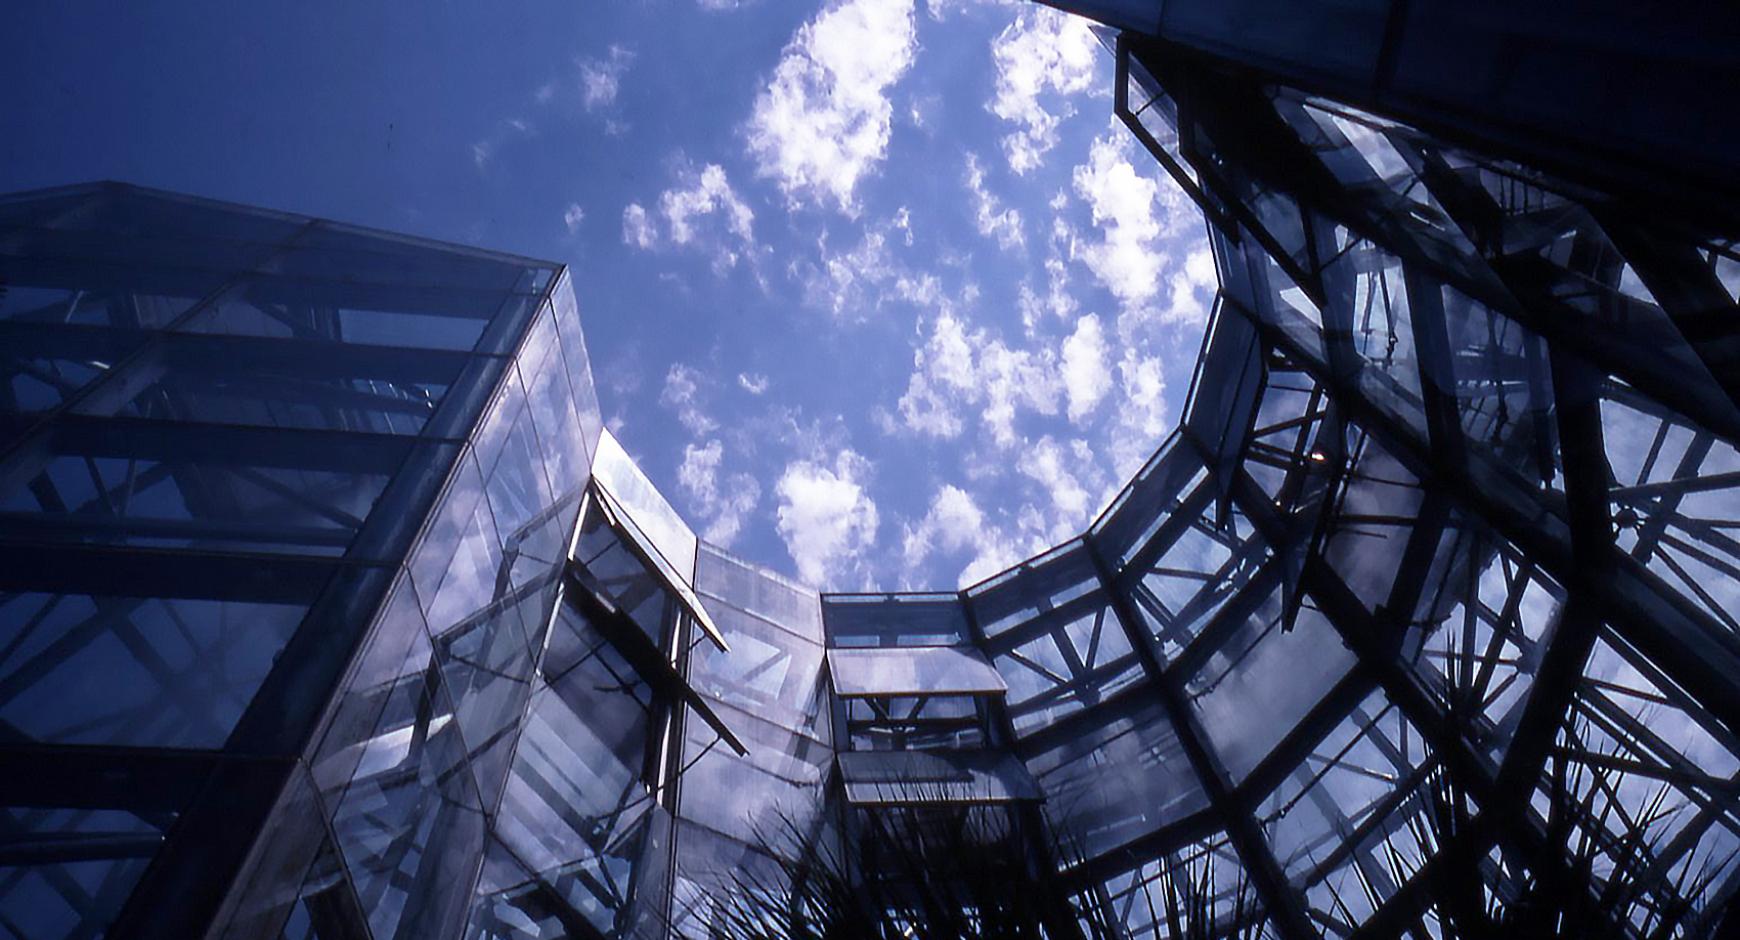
329,610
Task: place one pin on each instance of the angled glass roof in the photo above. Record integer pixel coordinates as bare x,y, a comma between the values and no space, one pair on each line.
655,529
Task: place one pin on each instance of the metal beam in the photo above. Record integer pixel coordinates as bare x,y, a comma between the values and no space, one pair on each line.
1285,907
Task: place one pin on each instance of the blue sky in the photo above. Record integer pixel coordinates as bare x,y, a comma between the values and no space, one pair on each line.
877,291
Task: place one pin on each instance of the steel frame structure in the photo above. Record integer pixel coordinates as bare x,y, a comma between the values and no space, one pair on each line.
1453,404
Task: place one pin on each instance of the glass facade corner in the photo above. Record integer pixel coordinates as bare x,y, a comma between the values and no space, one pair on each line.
281,527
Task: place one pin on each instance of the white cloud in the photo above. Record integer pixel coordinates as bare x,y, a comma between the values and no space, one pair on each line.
686,211
1192,287
1013,379
1058,300
573,216
723,504
601,79
1142,420
755,383
858,281
928,409
483,152
1129,257
707,193
953,525
942,374
826,517
1086,375
849,280
953,522
1067,487
884,421
993,220
956,368
699,474
824,119
949,355
637,229
941,10
681,394
1043,52
1056,469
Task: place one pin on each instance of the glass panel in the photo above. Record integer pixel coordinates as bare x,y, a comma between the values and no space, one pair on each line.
1157,114
383,315
487,664
1019,594
326,908
458,567
409,824
397,630
1503,386
1288,422
939,670
673,543
186,487
1639,777
1114,775
767,672
1200,888
1379,314
1676,502
1262,680
1375,523
1066,660
164,672
332,251
1194,577
894,619
678,584
619,573
534,527
1483,652
1376,159
755,590
293,884
579,365
552,404
42,365
577,825
768,689
284,384
67,872
1150,500
924,722
710,869
126,229
759,798
1350,791
40,208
